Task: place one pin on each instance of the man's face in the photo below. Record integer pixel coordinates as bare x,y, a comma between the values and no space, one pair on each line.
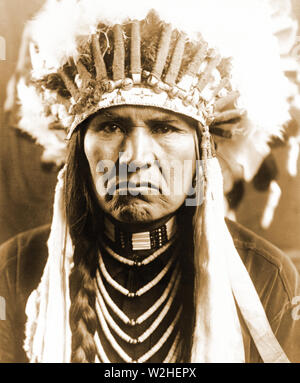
142,161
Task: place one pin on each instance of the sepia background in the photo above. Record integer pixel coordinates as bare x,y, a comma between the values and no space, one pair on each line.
27,185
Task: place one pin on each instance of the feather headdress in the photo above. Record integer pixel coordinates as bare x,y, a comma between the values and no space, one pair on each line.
227,26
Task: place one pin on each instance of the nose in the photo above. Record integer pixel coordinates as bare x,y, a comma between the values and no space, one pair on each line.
138,148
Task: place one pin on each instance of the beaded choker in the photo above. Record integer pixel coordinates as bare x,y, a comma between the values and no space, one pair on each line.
142,240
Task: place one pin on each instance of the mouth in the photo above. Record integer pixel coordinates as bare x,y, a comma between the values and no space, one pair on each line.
134,188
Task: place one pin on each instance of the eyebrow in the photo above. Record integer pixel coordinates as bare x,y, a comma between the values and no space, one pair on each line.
160,118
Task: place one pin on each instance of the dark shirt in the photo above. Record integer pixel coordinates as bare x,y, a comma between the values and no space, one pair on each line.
23,258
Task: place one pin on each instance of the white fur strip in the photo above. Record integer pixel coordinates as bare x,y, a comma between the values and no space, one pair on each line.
217,328
48,335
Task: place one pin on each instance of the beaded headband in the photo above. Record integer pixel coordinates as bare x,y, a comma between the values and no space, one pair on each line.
113,68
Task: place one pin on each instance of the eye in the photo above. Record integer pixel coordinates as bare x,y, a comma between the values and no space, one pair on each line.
111,127
163,128
108,128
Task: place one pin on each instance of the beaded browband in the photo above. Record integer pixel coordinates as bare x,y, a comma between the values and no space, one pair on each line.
118,66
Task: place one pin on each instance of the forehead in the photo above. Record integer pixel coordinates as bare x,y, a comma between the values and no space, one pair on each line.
144,113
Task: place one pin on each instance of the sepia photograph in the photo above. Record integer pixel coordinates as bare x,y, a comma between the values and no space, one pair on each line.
150,183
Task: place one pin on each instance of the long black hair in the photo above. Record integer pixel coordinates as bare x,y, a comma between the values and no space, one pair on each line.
84,222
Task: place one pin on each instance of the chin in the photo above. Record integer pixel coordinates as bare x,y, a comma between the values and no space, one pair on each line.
134,213
134,209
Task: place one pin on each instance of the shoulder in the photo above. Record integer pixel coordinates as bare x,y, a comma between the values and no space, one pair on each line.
23,258
272,272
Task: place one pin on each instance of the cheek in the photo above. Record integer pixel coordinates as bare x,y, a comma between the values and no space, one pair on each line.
91,151
183,153
181,147
189,163
94,154
188,159
102,156
96,150
187,149
179,165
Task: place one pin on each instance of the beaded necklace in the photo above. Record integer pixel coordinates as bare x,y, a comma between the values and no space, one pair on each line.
145,261
140,291
100,285
112,340
105,303
149,331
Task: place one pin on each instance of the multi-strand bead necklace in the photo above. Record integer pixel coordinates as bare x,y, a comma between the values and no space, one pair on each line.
114,321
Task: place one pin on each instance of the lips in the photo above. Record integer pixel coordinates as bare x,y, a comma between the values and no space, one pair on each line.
136,187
